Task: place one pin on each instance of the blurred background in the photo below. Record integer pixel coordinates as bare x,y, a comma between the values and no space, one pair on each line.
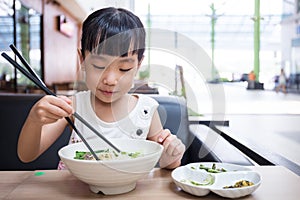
224,29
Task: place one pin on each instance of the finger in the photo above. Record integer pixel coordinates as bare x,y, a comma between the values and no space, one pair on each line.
62,104
173,142
48,109
167,142
66,99
46,116
174,146
58,111
179,149
163,135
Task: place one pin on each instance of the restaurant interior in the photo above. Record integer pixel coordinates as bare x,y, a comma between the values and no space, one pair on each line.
196,66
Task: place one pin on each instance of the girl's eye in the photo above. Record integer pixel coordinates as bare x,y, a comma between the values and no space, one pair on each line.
98,67
125,70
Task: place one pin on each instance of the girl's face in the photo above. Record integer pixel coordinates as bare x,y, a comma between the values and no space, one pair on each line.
110,77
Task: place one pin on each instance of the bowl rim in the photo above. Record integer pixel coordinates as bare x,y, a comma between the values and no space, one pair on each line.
145,156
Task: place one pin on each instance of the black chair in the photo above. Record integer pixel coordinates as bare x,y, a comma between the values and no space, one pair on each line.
14,109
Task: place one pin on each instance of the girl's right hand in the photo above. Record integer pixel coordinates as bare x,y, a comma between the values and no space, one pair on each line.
50,108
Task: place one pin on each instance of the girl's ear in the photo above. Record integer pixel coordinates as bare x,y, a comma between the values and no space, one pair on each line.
140,62
80,59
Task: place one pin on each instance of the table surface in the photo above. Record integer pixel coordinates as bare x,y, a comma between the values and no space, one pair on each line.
277,183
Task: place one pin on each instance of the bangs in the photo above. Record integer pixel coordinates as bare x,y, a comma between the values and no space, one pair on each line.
121,44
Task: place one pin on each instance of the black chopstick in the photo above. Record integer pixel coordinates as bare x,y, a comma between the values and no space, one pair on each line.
25,63
43,87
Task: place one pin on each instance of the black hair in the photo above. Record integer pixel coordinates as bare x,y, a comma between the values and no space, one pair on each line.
113,31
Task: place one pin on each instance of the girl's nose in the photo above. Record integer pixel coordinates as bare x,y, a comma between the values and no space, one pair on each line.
110,78
107,82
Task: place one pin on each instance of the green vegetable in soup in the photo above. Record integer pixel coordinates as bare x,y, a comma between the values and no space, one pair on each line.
134,154
106,154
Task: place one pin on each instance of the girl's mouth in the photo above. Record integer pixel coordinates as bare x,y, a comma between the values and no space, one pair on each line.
107,92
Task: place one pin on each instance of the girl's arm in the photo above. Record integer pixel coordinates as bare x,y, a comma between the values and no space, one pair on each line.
43,126
173,147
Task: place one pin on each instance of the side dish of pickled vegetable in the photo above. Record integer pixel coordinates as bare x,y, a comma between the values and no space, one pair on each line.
239,184
106,154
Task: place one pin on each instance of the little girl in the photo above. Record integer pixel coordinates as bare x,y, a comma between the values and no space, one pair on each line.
112,48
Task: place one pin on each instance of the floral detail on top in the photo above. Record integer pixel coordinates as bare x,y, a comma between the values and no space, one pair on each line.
61,165
75,140
145,112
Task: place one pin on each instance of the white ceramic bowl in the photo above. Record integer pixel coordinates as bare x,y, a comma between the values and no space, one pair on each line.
185,177
112,176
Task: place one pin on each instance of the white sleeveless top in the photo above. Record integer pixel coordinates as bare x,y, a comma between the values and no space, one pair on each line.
135,125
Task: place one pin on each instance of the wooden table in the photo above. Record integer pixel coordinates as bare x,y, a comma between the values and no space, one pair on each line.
277,183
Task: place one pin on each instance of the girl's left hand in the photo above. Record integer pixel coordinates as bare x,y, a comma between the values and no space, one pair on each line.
173,149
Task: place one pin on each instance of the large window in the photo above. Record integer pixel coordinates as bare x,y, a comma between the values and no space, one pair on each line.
20,26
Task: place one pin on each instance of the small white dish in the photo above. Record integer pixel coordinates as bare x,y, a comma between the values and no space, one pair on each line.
187,178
